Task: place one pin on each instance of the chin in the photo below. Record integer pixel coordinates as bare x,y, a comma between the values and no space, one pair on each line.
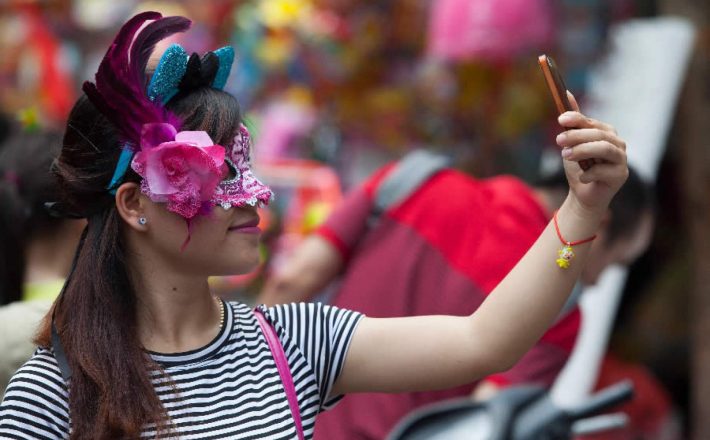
232,270
244,265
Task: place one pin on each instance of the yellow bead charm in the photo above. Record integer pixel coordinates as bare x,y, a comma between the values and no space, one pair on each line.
566,254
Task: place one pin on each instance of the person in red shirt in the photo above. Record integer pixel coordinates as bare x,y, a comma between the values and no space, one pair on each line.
452,240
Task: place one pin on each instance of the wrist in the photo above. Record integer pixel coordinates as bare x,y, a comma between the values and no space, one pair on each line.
576,221
581,211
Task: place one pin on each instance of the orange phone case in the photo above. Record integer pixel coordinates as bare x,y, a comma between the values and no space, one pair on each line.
559,93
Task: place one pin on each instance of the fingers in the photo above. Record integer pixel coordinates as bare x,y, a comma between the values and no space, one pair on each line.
603,151
606,173
578,120
598,141
571,138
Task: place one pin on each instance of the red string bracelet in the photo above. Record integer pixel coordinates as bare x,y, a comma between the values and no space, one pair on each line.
566,253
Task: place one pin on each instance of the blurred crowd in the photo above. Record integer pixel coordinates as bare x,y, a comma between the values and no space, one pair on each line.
333,90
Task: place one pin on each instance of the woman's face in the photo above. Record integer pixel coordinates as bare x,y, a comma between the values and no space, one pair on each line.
224,242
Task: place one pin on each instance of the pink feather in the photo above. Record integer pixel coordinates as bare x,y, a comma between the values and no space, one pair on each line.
119,90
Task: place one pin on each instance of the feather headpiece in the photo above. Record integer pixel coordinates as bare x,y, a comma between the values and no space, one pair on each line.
183,169
119,90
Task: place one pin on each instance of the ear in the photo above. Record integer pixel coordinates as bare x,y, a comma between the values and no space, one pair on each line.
131,205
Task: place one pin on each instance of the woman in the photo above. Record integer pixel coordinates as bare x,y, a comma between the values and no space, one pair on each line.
138,346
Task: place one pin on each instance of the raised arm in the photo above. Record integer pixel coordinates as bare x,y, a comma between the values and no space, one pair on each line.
420,353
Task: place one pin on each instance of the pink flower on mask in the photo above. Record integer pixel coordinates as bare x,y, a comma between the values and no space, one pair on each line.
179,169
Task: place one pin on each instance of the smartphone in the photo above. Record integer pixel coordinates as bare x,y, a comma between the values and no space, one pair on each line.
559,93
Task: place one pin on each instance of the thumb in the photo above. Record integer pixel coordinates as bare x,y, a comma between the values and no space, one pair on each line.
573,101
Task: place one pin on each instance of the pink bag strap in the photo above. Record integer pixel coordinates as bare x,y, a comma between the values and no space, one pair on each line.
277,352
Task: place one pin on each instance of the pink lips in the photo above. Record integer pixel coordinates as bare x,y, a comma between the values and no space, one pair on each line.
250,227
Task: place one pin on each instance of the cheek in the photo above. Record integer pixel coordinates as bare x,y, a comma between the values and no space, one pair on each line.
243,252
214,251
166,230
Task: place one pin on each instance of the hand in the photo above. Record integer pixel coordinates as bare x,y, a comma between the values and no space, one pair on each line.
587,138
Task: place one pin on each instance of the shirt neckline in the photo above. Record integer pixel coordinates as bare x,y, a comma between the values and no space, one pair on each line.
202,353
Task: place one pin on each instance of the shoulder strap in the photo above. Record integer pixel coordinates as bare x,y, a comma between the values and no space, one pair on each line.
408,175
59,354
277,352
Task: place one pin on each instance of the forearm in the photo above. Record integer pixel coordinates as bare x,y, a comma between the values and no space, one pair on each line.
449,351
431,352
522,307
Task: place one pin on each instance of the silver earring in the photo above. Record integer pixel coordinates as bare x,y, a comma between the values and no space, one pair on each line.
142,221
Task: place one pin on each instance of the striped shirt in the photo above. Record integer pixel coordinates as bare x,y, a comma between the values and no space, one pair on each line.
228,389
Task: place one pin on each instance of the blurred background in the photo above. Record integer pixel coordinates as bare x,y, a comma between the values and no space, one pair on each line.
332,89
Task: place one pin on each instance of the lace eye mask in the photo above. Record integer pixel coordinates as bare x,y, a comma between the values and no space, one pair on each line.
242,188
185,170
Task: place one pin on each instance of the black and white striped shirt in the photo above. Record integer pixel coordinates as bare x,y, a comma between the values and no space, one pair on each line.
227,389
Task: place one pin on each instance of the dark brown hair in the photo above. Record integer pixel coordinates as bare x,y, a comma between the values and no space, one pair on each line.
110,392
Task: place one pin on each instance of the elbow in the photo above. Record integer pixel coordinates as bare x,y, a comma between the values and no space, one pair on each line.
493,355
499,362
482,366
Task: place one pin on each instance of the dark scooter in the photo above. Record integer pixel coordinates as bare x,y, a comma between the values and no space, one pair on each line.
516,413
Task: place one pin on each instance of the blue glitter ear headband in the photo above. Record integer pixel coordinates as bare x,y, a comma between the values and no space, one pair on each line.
164,85
172,66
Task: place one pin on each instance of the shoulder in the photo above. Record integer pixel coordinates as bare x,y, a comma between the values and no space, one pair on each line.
22,308
513,196
40,376
243,321
371,185
18,323
295,316
23,315
457,184
37,397
321,333
450,191
507,184
241,310
315,338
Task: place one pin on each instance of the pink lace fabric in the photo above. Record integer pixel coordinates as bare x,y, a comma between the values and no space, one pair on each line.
183,170
244,189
